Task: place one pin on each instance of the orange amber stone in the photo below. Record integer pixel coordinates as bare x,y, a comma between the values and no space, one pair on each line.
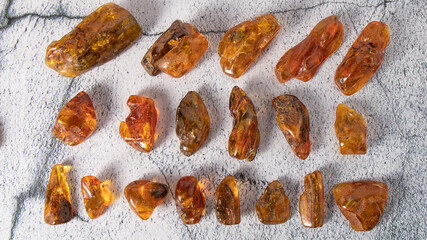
292,117
96,196
76,121
176,51
144,196
244,138
363,59
273,207
350,129
361,202
190,200
57,208
303,60
139,130
243,43
312,201
227,206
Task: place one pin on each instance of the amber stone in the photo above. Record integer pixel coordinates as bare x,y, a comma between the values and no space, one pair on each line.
361,202
76,121
350,129
101,36
303,60
292,118
190,200
273,207
312,201
363,58
192,123
57,208
139,129
227,206
96,196
243,43
144,196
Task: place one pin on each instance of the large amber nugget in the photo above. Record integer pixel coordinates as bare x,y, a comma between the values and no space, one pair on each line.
144,196
244,138
350,129
243,43
190,200
192,123
57,208
227,205
139,129
292,117
303,60
363,59
101,36
312,201
76,121
96,196
273,207
361,202
176,51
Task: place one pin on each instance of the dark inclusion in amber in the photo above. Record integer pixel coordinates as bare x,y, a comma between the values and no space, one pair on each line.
101,36
227,205
350,129
312,201
96,196
273,207
190,200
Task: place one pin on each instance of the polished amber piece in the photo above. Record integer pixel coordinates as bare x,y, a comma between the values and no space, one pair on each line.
273,207
243,43
192,123
292,117
227,205
76,121
190,200
361,202
57,208
96,196
244,138
303,60
312,201
139,129
363,59
144,196
101,36
350,129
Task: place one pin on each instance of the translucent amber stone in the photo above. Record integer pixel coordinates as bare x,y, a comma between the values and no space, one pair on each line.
243,43
96,196
190,200
139,129
363,59
350,129
361,202
273,207
76,121
303,60
292,117
101,36
57,208
244,138
312,201
227,205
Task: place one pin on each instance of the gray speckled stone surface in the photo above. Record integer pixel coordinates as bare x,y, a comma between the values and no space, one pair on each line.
393,103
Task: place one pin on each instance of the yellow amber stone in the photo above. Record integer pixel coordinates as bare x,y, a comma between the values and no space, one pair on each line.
190,200
96,196
312,201
227,205
273,207
350,129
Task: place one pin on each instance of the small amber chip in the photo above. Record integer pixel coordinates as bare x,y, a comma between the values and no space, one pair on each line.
350,129
190,200
96,196
312,201
227,205
273,207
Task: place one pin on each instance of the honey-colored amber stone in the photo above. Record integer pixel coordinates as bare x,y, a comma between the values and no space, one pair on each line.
139,129
192,123
76,121
244,138
292,117
96,196
363,58
273,207
144,196
227,205
57,208
312,201
243,43
350,129
176,51
361,202
101,36
303,60
190,200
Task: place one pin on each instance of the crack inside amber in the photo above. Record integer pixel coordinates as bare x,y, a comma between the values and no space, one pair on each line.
227,205
96,196
312,201
190,200
273,207
350,129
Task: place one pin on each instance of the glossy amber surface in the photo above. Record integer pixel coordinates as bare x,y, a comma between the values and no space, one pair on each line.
227,205
312,201
350,129
273,207
96,196
190,200
243,43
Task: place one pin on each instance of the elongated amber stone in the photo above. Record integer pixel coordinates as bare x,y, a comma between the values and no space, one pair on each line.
273,207
363,58
190,200
303,60
96,196
243,43
227,205
101,36
312,201
244,138
350,129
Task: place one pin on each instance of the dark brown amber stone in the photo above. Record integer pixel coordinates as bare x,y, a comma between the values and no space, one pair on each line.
227,205
96,196
350,129
312,201
190,200
273,207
